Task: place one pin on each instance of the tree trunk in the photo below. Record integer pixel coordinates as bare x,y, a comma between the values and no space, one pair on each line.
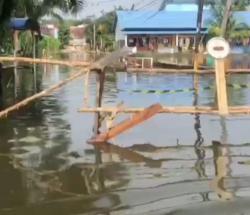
199,24
227,14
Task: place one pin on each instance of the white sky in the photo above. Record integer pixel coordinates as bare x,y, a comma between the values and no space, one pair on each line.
97,7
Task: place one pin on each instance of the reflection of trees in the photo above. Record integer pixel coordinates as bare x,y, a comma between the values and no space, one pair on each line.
42,121
237,96
199,149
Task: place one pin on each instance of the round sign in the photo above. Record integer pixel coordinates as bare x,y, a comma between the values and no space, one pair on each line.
218,48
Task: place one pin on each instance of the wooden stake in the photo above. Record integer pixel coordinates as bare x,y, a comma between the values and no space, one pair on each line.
221,86
16,42
196,63
46,92
86,89
127,124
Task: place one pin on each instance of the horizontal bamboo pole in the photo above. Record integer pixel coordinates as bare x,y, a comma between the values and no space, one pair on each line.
46,92
180,110
45,61
238,110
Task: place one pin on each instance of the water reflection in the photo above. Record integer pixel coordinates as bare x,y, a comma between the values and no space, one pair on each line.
47,167
222,171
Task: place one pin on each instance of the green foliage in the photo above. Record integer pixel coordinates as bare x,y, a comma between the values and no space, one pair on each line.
6,7
48,46
6,41
64,34
38,8
235,30
34,9
104,31
26,43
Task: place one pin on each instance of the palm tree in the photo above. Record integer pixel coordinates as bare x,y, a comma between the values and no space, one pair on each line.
225,20
224,23
36,9
199,24
6,7
33,9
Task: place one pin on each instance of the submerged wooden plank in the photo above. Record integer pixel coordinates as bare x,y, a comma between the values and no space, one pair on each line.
127,124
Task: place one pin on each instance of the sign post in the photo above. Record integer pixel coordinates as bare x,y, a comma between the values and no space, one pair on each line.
219,49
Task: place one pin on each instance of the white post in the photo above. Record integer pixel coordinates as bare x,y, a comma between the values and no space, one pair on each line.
177,40
126,40
151,63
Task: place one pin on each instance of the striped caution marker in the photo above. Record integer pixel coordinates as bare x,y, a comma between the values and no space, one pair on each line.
162,92
185,90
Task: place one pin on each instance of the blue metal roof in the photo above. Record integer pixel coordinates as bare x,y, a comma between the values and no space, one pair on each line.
20,24
171,22
159,19
162,32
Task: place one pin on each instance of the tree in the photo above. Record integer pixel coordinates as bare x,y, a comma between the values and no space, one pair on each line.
64,34
36,9
225,20
6,7
105,31
224,23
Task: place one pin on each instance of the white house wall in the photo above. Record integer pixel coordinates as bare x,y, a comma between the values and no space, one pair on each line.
119,35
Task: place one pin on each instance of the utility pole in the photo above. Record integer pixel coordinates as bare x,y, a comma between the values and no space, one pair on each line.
94,37
199,24
227,14
197,56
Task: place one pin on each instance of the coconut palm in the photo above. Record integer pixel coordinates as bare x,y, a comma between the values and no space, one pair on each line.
223,22
33,9
36,8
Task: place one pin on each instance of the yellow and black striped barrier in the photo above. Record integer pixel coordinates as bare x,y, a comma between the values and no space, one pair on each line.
187,90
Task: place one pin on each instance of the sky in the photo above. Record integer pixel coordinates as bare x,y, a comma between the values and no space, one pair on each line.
97,7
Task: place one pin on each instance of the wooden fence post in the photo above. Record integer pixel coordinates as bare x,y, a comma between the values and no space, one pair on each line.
219,49
221,87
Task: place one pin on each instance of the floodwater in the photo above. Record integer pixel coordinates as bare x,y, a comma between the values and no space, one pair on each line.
171,164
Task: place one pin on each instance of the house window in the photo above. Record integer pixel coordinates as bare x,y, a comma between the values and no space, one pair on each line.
132,42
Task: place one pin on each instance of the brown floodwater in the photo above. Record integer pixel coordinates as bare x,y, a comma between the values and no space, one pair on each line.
171,164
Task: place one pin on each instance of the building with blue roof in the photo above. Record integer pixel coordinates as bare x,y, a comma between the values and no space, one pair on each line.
167,30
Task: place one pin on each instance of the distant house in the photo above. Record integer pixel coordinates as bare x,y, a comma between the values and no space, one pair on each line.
50,30
78,35
164,31
158,30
